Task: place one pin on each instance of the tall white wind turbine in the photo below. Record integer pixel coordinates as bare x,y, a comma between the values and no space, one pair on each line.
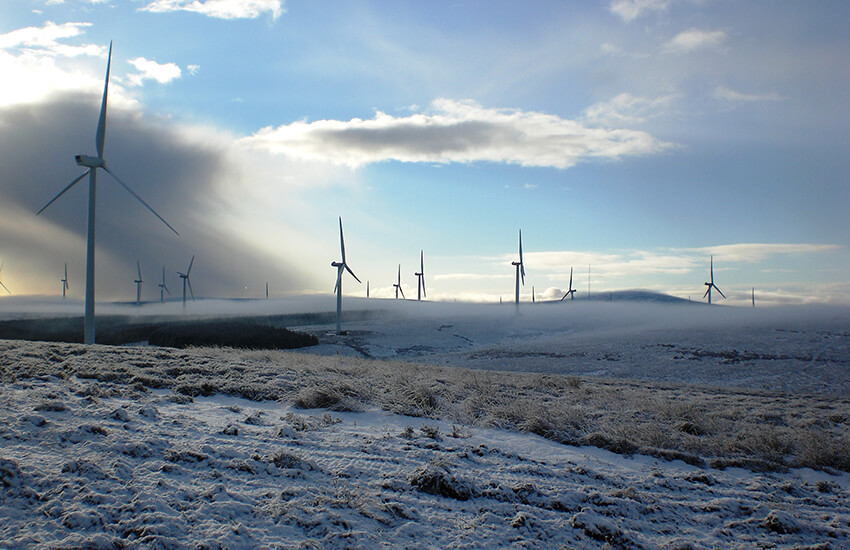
162,288
1,282
65,281
520,270
138,283
340,267
186,281
397,285
420,284
711,284
570,291
92,164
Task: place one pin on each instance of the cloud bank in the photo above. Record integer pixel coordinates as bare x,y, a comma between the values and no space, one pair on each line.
454,131
220,9
695,39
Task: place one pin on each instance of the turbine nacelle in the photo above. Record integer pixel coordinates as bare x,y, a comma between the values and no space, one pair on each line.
90,162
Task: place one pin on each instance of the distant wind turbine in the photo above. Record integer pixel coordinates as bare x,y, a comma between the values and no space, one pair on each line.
267,290
711,284
65,281
1,282
420,284
571,292
138,283
162,287
754,296
533,298
520,270
93,163
186,281
340,267
398,285
367,289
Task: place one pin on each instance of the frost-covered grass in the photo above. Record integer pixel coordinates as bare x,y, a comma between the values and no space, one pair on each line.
720,427
86,463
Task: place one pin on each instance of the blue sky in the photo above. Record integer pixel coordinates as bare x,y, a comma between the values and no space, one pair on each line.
638,137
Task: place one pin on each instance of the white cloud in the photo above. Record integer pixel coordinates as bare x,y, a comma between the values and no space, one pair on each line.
627,109
28,57
726,94
757,252
151,70
694,39
193,69
46,38
629,10
454,131
220,9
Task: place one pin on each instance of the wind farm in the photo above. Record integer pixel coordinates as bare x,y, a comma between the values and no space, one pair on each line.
481,412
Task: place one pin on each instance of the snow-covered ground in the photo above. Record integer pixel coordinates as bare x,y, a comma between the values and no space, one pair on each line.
105,448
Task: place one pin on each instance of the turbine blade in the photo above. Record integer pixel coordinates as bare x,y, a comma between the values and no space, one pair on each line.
564,297
70,185
192,294
138,198
166,289
402,293
192,261
520,246
338,276
720,291
422,262
341,241
352,274
139,269
522,272
706,292
399,274
4,286
423,286
571,280
100,136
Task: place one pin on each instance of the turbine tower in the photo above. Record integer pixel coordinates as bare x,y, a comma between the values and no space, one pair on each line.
186,281
711,284
340,267
92,164
520,270
162,287
1,282
138,283
420,284
571,292
397,285
65,281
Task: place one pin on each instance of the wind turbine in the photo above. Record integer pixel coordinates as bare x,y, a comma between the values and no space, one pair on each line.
267,290
367,289
138,283
186,281
162,287
65,281
340,267
533,298
1,282
92,164
420,284
571,292
520,270
398,285
711,284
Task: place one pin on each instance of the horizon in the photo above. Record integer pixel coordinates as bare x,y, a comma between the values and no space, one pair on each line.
635,138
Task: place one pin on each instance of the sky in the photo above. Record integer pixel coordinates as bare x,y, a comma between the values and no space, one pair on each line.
631,140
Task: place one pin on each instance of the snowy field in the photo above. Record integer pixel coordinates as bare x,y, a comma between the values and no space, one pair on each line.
576,425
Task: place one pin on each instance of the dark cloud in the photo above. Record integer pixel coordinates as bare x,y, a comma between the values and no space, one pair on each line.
177,175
